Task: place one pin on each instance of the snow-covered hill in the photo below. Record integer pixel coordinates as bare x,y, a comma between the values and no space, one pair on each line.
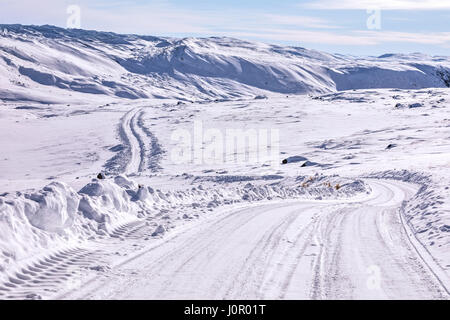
43,63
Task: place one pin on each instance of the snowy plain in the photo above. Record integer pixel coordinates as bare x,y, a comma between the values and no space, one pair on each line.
364,193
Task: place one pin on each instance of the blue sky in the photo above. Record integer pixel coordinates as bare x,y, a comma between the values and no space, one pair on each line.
337,26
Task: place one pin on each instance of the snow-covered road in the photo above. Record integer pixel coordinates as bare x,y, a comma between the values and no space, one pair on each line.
290,250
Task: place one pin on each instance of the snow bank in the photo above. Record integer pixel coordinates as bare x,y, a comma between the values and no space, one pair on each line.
57,216
428,212
106,203
43,220
52,209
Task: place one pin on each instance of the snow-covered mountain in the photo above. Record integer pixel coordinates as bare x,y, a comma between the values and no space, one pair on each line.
37,62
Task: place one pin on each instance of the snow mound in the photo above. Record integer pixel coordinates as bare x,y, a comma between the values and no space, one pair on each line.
106,203
52,209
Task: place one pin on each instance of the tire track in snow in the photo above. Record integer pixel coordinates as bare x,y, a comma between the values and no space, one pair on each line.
47,275
135,135
135,230
140,149
256,265
364,253
155,152
42,277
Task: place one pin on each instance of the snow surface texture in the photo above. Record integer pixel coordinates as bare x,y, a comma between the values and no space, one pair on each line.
59,216
75,103
428,212
38,61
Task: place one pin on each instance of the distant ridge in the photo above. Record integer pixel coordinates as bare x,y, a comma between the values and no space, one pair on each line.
40,59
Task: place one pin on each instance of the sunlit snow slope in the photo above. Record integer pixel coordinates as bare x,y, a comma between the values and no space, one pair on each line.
36,62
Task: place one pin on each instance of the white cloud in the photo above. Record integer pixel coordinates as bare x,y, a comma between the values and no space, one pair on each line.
157,16
382,4
147,19
434,38
354,38
32,12
163,17
303,36
299,21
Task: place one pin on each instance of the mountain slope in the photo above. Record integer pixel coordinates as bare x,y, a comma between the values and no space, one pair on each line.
41,63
